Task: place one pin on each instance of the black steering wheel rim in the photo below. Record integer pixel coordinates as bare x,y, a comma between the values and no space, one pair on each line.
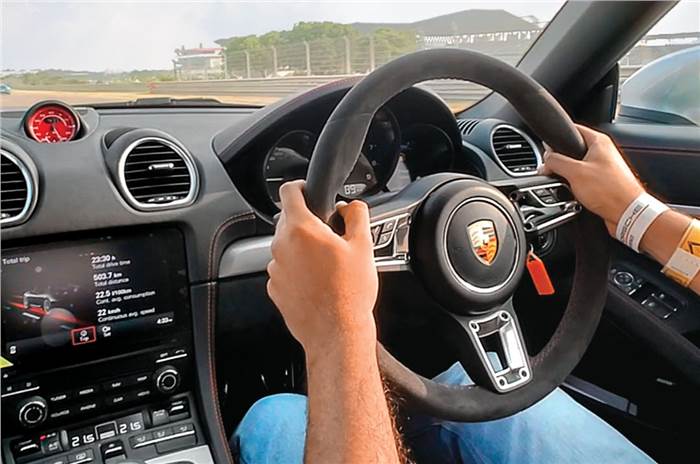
336,152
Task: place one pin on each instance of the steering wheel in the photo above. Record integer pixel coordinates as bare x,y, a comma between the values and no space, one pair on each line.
467,242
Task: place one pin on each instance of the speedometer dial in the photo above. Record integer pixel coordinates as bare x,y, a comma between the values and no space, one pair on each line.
289,159
52,123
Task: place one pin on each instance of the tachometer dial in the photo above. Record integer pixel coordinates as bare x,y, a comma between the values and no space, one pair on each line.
289,159
52,123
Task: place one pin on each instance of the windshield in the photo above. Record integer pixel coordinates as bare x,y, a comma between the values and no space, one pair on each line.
240,52
255,53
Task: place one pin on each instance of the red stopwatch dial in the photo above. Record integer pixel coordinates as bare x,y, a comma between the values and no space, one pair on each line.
52,124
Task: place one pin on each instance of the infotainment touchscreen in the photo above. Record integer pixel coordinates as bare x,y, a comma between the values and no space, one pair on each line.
76,300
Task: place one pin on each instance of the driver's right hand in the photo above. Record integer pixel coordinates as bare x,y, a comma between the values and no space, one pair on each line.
602,181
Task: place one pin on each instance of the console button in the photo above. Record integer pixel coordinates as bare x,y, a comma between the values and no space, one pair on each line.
59,397
140,440
106,430
119,398
138,379
51,443
178,410
26,448
61,413
86,391
143,394
88,407
159,417
80,457
114,384
162,433
182,428
112,449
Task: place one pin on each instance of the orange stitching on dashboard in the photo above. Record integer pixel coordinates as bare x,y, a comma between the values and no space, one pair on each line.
210,317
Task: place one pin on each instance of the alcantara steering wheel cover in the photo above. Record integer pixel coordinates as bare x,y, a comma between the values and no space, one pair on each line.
337,151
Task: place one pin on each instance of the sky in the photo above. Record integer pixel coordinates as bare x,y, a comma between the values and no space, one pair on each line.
122,36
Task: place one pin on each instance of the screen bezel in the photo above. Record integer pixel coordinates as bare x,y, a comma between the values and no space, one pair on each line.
179,332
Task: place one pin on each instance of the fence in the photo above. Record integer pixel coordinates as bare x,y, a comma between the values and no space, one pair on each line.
344,55
360,55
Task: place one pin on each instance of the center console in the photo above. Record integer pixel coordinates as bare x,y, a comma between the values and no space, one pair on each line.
97,360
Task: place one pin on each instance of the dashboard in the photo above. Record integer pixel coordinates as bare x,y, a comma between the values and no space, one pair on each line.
115,221
412,136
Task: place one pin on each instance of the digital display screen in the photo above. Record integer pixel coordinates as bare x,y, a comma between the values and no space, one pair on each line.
94,297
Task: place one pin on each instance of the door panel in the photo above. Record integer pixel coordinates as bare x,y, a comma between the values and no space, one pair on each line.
667,158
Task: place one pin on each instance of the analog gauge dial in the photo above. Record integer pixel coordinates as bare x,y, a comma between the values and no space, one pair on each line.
426,149
52,123
289,159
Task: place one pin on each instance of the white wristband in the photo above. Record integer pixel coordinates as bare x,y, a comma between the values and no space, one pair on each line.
637,218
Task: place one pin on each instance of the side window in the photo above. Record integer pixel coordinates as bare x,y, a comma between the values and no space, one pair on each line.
661,74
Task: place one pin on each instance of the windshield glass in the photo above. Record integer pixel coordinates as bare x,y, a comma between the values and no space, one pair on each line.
240,52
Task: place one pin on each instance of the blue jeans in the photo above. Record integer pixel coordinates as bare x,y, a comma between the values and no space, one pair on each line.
555,430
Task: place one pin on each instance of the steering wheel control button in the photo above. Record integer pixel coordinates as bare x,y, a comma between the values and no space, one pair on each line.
384,239
32,411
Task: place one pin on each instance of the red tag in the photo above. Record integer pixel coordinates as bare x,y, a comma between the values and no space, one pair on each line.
539,275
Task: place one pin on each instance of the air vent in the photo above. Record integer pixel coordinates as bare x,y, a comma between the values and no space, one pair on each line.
466,126
18,194
157,174
515,151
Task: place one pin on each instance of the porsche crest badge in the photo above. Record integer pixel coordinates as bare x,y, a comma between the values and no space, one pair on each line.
483,239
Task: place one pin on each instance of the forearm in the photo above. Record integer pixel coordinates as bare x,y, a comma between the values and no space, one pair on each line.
662,237
349,419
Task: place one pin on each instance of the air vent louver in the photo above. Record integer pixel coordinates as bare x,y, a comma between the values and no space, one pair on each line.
158,174
516,152
17,193
466,126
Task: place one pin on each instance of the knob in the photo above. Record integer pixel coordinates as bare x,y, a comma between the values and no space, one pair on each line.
167,379
623,278
32,411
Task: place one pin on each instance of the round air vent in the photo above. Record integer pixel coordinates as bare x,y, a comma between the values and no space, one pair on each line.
515,151
18,195
156,173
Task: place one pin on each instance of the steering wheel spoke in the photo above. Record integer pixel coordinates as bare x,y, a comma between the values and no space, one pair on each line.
545,206
491,348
